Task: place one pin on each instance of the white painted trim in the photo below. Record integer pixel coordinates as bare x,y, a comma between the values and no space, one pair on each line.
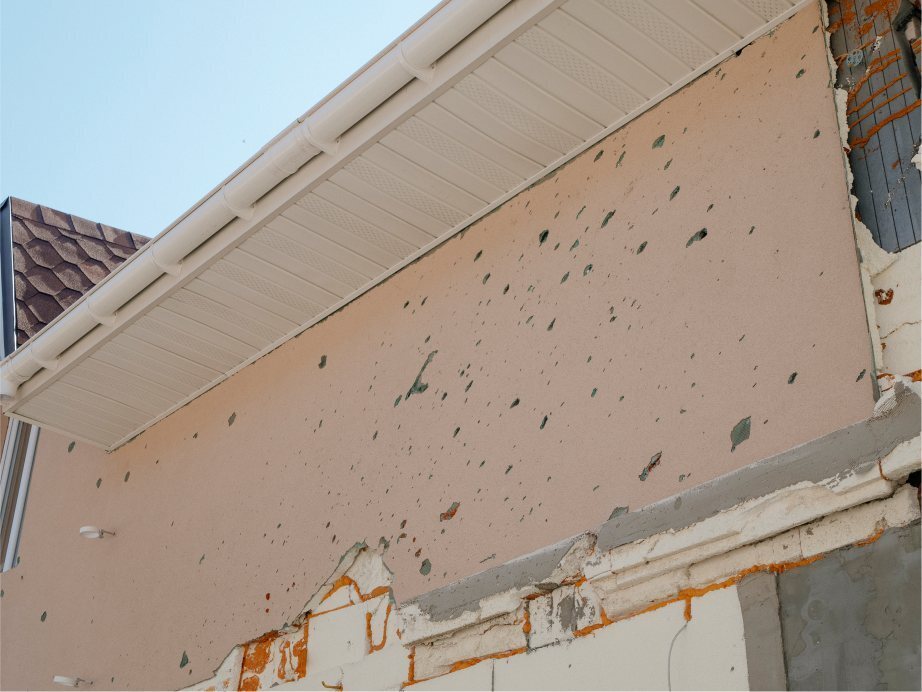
12,548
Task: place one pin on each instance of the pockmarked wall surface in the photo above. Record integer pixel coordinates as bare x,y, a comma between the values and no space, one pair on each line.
679,301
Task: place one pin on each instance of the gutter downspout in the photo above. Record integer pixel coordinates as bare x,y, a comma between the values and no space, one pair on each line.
311,135
7,291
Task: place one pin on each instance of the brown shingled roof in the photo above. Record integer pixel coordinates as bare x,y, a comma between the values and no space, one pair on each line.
58,257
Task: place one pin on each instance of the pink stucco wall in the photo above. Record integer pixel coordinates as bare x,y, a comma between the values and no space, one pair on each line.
617,335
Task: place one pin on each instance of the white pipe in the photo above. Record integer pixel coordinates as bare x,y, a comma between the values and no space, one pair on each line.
13,545
411,58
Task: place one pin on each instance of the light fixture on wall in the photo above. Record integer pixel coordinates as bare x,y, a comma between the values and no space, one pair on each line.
68,681
94,532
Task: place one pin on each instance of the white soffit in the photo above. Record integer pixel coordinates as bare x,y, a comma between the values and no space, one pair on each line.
533,86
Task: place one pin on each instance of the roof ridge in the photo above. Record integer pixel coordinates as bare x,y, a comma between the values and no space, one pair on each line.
64,221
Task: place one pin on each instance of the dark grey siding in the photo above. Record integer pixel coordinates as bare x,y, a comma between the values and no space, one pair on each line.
883,117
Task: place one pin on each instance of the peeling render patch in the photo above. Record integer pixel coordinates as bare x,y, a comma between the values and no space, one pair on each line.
874,261
350,628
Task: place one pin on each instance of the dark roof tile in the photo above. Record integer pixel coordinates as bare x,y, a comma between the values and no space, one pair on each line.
43,253
57,258
72,277
44,307
44,280
56,218
70,250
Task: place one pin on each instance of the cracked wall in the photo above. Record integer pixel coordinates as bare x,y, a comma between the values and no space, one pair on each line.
510,389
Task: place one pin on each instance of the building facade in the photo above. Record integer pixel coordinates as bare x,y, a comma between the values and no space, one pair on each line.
624,396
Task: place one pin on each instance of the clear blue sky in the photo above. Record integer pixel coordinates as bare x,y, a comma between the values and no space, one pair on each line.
128,112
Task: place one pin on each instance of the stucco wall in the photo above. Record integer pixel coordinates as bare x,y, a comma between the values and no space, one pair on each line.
623,334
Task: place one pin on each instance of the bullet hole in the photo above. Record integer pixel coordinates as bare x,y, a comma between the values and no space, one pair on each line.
184,661
674,192
740,432
418,386
700,235
127,475
450,513
98,482
800,73
564,278
599,155
231,419
486,277
792,377
659,142
607,218
816,134
70,447
551,325
617,512
397,400
595,390
751,229
514,403
620,159
426,567
323,362
268,596
406,305
580,212
587,269
652,464
508,469
710,206
543,423
861,376
641,247
194,436
506,289
455,433
201,559
542,236
574,245
44,615
477,256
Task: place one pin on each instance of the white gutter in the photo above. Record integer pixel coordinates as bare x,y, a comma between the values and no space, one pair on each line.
318,132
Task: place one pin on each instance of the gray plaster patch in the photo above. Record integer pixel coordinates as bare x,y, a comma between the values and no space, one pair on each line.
852,619
451,601
758,594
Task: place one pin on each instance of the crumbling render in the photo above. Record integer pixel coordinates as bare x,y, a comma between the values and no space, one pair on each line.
893,323
351,635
